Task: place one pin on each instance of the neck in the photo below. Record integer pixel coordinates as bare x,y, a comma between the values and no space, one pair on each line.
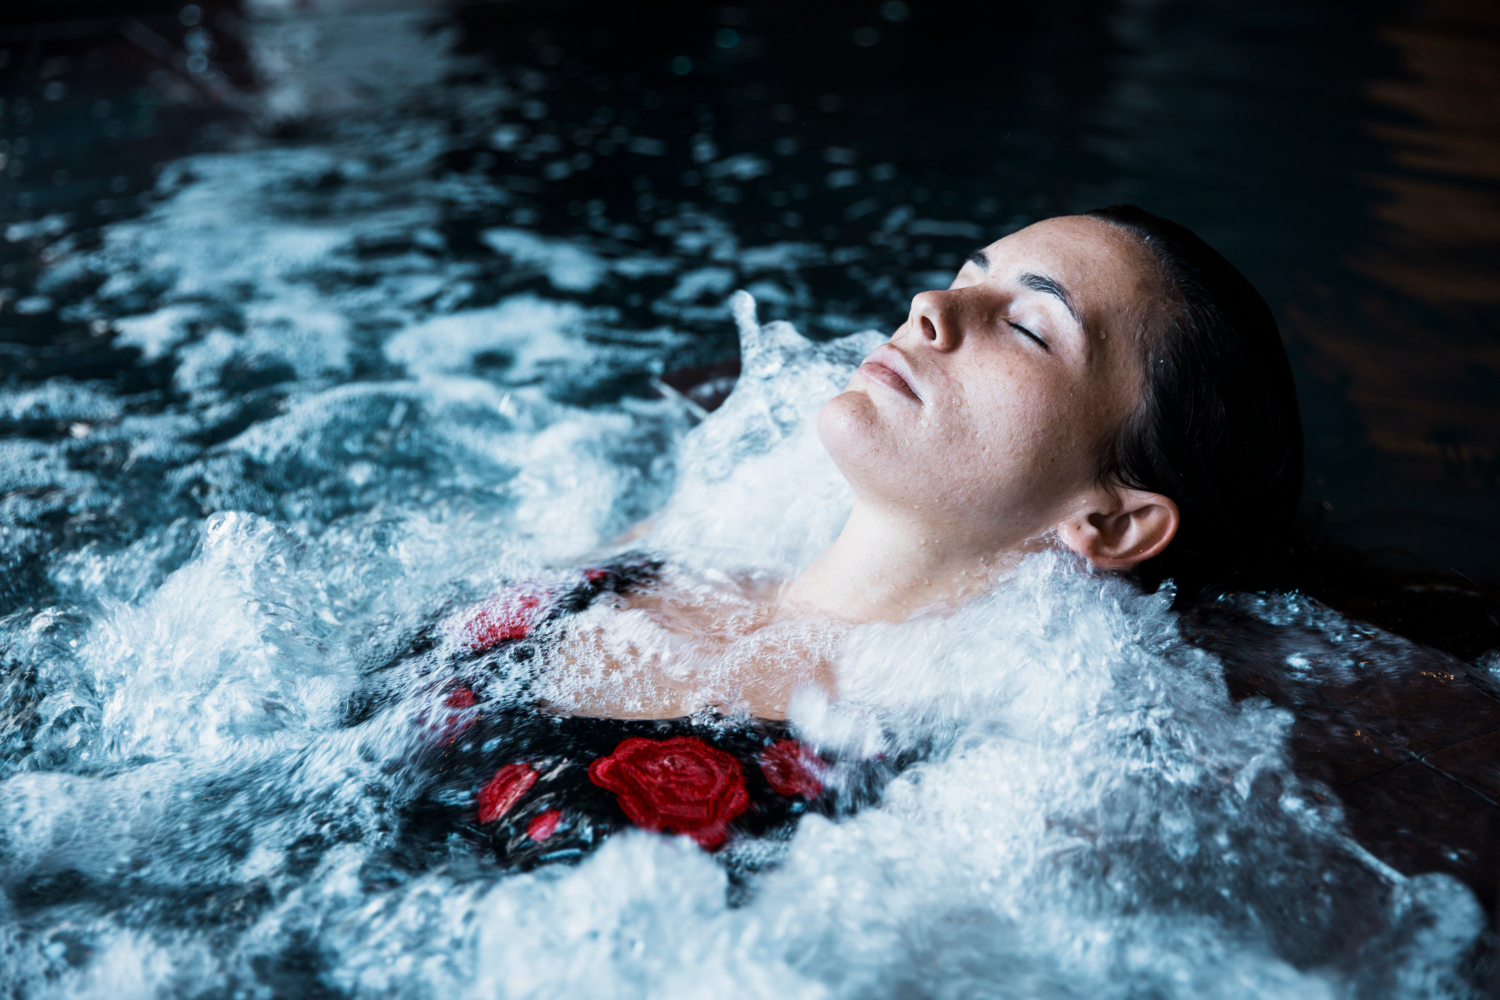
886,565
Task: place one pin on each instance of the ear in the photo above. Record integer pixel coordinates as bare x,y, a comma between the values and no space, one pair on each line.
1123,528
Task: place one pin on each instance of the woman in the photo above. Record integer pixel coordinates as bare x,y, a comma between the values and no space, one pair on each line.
1105,383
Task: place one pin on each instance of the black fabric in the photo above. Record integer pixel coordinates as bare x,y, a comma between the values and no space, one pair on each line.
475,739
561,748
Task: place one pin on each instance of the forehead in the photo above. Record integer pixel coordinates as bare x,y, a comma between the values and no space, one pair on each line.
1096,261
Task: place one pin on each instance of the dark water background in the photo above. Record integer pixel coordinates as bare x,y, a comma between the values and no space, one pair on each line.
1346,157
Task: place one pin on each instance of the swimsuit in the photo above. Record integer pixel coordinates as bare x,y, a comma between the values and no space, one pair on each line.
535,787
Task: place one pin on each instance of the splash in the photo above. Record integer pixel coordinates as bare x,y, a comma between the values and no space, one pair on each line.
193,811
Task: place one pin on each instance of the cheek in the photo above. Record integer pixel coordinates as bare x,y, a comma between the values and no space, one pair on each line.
998,450
1028,411
1021,435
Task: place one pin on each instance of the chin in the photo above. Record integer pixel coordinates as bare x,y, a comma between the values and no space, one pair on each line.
846,420
855,437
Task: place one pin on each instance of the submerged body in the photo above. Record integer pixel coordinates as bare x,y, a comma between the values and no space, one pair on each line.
1017,411
530,751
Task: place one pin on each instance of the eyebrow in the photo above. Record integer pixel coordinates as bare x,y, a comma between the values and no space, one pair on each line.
1042,283
1035,282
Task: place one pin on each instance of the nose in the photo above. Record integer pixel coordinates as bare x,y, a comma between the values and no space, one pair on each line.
934,319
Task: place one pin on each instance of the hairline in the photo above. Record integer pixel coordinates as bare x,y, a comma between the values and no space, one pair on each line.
1152,337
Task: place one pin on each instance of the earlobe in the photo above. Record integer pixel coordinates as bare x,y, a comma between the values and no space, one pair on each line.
1117,535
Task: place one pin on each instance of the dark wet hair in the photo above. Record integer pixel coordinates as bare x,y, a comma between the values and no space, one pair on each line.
1219,431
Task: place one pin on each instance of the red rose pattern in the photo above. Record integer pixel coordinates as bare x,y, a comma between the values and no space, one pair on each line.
503,617
679,785
500,795
791,768
448,726
461,697
544,826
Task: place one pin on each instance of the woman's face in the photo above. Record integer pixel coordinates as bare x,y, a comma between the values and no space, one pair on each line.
984,415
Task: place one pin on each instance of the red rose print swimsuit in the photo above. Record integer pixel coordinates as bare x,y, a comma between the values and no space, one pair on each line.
537,787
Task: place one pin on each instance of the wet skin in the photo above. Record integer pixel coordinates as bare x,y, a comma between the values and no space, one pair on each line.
974,435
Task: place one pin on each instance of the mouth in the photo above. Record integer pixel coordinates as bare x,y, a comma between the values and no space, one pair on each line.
887,366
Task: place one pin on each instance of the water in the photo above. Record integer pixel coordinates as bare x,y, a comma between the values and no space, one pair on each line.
346,367
190,815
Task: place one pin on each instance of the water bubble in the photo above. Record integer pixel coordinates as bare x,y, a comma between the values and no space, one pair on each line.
681,65
842,179
197,40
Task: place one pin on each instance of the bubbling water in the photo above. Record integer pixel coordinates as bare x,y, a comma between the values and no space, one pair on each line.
195,814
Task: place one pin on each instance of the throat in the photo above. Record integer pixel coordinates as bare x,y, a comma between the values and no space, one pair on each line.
886,567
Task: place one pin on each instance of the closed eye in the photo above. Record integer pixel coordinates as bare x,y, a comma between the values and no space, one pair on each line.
1021,329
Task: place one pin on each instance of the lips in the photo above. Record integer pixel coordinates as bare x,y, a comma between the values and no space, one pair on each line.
887,366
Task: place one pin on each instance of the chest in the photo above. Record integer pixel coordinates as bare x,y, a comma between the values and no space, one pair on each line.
653,660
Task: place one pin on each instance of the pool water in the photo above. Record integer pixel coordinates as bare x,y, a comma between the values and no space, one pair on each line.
322,320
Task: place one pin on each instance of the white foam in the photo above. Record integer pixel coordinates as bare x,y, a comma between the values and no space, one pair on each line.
59,400
567,265
531,333
154,334
755,488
